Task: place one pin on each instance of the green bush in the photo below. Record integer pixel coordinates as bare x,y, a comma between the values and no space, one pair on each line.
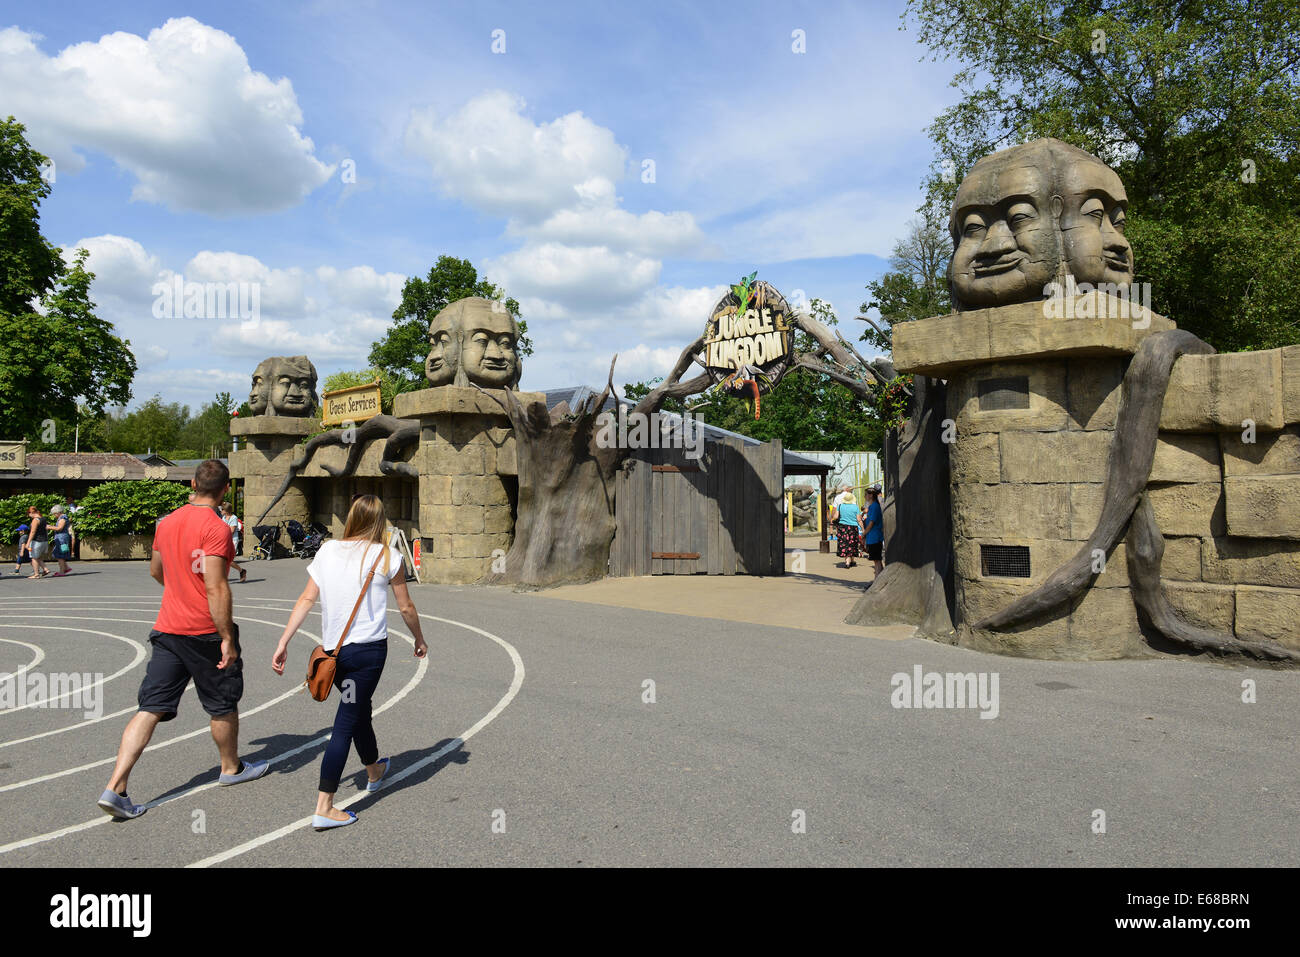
13,511
127,508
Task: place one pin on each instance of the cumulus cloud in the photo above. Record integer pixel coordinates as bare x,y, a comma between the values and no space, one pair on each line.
583,276
181,109
491,156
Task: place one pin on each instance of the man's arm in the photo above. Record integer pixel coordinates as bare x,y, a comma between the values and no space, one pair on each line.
155,566
220,605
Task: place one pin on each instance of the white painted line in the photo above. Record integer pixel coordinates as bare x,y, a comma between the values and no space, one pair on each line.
40,656
406,772
162,744
44,702
104,819
117,714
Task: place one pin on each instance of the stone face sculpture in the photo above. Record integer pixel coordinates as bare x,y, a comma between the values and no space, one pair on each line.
260,395
1027,216
473,341
290,385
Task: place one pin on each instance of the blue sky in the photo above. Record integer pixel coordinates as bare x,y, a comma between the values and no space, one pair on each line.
214,140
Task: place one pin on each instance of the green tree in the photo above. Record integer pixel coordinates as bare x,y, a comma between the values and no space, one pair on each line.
916,285
154,425
29,264
60,355
400,354
1194,104
208,430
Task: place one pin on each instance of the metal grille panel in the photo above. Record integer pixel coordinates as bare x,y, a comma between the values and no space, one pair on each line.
1007,393
1004,561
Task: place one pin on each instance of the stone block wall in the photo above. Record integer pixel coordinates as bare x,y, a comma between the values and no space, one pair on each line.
1224,486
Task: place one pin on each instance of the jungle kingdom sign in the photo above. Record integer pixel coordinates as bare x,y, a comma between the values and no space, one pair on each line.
749,338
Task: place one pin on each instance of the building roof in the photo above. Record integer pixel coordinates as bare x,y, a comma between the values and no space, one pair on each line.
93,467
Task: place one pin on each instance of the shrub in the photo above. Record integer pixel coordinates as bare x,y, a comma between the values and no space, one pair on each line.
13,510
127,508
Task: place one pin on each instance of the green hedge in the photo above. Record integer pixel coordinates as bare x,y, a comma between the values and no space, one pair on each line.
127,508
13,511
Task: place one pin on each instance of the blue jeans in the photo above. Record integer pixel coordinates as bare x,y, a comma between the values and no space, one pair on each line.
356,676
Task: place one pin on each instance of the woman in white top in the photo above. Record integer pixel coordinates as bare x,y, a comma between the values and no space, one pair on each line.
337,575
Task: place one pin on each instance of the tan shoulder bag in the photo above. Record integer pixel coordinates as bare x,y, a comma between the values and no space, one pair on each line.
321,663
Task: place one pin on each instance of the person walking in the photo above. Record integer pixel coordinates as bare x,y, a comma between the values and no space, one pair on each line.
848,529
71,509
874,533
60,540
37,541
22,531
230,518
351,577
194,637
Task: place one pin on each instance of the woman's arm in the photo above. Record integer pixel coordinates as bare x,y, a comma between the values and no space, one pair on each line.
299,614
407,609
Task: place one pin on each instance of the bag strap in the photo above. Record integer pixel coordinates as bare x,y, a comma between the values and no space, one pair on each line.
383,546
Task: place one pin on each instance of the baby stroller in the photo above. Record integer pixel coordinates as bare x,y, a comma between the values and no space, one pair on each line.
316,535
301,545
268,538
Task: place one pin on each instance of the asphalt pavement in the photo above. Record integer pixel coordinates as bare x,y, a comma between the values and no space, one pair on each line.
550,732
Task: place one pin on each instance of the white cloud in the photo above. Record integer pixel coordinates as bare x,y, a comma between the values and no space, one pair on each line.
494,158
282,291
122,267
583,276
181,109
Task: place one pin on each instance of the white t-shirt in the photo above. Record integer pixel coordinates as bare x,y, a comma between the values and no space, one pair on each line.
338,570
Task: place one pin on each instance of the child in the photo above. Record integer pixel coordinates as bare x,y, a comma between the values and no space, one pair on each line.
22,556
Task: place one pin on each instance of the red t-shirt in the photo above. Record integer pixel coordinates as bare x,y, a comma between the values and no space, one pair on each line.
183,538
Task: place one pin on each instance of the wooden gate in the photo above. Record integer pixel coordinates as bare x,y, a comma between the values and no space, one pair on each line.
720,514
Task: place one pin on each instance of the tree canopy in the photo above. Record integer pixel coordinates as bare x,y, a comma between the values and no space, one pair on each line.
1194,104
400,354
57,352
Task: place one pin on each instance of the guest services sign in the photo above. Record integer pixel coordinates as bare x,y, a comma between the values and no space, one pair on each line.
354,404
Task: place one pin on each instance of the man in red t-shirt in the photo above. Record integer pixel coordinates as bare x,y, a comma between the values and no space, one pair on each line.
194,637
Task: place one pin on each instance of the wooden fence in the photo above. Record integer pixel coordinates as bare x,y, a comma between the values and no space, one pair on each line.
720,514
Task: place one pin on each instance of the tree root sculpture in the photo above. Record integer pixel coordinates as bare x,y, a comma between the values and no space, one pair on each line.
916,587
1132,452
398,434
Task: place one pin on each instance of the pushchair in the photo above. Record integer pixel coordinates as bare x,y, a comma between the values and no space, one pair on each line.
301,543
268,540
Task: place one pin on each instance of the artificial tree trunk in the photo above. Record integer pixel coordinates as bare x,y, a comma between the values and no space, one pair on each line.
565,521
916,587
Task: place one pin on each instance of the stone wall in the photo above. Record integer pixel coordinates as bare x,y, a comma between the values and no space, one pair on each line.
1225,487
1032,402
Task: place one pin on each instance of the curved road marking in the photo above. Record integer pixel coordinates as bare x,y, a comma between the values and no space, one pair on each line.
133,708
40,656
139,652
406,772
160,744
105,819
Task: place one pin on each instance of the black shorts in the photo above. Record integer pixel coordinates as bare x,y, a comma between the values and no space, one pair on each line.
873,551
178,658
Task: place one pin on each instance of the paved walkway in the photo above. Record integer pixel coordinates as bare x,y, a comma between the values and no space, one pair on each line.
816,598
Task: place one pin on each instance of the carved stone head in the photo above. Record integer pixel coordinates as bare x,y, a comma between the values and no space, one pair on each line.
474,340
260,394
293,386
1025,216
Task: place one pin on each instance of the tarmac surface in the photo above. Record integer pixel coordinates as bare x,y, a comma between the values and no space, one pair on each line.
529,738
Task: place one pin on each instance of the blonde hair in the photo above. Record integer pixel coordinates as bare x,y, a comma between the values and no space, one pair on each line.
368,523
